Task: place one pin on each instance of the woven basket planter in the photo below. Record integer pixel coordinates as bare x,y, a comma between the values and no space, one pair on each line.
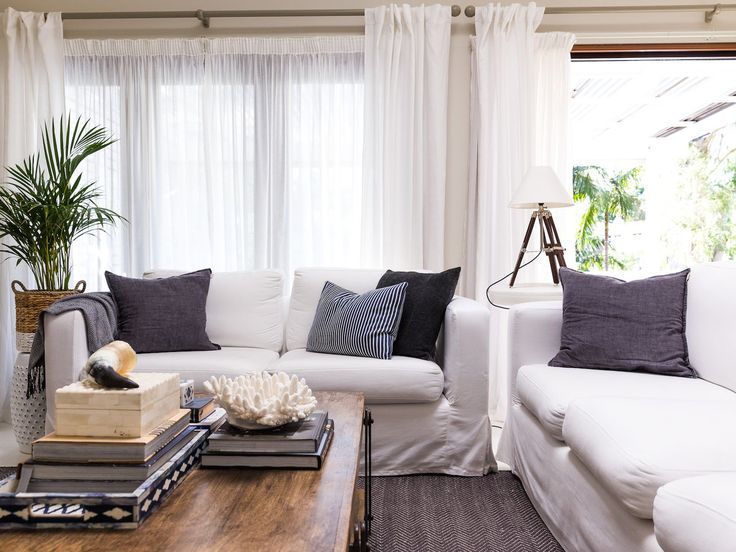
29,304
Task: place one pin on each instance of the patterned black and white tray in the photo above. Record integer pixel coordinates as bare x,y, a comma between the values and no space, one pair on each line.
100,510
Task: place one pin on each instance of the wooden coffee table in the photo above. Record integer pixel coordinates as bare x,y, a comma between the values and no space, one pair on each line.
245,509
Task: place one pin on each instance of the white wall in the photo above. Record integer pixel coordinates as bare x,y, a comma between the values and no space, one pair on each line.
590,28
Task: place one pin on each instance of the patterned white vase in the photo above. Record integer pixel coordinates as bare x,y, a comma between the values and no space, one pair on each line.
28,416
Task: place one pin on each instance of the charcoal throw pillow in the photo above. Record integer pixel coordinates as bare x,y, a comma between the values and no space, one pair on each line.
164,314
636,326
427,297
357,325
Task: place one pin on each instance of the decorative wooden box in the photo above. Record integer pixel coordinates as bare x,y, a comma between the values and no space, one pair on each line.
86,409
99,510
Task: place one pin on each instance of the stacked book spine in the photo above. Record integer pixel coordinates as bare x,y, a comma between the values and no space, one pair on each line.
302,445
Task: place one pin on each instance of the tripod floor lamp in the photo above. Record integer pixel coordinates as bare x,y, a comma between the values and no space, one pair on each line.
539,190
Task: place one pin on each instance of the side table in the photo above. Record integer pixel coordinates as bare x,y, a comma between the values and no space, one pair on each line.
28,416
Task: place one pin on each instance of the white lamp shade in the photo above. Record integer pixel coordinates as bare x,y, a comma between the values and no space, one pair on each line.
540,185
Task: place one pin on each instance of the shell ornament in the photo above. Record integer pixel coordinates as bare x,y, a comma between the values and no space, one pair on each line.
262,400
110,365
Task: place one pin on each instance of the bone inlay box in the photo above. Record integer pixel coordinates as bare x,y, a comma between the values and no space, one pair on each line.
85,409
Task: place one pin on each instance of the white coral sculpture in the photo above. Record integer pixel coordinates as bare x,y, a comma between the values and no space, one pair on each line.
262,399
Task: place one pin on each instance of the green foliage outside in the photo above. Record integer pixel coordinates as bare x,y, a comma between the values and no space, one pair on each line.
45,205
608,196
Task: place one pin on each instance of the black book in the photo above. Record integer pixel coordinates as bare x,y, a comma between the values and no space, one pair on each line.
299,460
201,408
109,472
304,436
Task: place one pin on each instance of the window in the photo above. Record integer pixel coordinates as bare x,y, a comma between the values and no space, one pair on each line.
233,154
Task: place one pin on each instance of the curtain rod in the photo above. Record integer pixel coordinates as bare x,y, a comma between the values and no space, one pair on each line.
205,16
710,10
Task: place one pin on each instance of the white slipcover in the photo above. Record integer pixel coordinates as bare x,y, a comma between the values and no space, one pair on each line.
244,309
634,446
547,391
711,320
398,380
697,514
200,365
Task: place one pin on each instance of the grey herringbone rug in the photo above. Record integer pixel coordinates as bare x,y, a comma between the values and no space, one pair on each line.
441,513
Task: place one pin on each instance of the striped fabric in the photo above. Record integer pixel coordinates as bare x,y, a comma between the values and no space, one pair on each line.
357,325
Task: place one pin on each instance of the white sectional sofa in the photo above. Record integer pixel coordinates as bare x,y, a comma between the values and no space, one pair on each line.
429,417
594,448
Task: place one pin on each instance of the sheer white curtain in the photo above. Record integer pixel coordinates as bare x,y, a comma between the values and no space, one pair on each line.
31,92
236,153
520,94
407,65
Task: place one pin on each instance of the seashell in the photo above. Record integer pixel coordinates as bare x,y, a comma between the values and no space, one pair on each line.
108,366
261,400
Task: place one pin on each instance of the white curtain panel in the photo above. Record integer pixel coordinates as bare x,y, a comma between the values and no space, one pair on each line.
31,93
519,94
238,153
407,53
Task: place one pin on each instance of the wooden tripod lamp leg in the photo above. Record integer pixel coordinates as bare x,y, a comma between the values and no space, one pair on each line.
549,248
524,245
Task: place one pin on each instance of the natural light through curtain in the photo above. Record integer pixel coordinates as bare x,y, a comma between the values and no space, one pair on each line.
234,154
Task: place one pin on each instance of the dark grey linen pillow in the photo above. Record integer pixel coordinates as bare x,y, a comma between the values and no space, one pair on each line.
636,326
347,323
162,315
427,297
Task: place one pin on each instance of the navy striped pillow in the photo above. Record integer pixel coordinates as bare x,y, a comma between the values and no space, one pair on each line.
357,325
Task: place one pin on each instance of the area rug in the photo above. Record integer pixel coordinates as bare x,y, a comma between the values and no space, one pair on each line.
5,471
444,513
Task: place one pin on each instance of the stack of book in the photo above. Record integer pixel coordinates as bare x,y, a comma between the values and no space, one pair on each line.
300,445
104,464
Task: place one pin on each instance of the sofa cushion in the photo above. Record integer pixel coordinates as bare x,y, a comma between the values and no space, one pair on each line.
398,380
200,365
711,319
637,326
353,324
634,446
306,291
162,315
427,297
546,391
697,513
244,309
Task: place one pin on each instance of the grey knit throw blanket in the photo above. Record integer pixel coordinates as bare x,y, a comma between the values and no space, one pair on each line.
100,317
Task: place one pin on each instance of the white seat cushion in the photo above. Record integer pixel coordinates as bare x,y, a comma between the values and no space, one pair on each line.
634,446
697,514
399,380
200,365
546,391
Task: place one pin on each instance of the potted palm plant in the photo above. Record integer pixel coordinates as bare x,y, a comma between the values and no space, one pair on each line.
44,208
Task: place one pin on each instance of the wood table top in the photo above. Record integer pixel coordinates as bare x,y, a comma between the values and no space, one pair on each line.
240,509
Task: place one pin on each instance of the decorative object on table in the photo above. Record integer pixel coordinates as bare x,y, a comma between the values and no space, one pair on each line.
304,436
164,314
44,207
427,297
291,460
99,510
541,189
109,365
636,326
262,400
27,415
200,408
347,323
186,392
84,408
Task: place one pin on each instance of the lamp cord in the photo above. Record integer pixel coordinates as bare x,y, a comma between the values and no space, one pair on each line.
530,261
